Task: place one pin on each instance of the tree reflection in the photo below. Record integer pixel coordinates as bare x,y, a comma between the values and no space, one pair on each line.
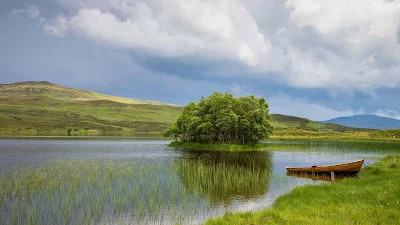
225,176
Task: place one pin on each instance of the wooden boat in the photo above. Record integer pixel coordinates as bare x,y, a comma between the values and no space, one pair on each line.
351,167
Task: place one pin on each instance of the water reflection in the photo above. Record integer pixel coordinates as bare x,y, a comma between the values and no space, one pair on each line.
322,176
225,176
146,182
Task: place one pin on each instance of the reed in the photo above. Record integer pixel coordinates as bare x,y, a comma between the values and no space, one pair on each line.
87,192
228,177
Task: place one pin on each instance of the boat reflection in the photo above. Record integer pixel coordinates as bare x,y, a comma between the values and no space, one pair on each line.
322,176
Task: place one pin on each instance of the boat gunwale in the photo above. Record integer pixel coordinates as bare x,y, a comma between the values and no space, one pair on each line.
342,164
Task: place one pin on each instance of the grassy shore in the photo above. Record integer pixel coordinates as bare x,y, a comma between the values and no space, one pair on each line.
269,144
373,198
297,134
216,147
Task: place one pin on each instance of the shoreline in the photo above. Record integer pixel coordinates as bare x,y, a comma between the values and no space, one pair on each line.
264,146
216,147
349,201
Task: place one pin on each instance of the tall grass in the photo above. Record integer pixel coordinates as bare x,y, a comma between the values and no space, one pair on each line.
230,176
72,192
299,145
109,192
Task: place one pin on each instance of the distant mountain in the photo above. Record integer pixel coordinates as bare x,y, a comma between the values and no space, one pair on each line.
367,121
284,122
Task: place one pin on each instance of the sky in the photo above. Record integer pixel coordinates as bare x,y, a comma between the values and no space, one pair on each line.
318,59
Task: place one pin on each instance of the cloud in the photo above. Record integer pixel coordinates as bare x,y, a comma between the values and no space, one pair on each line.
206,29
398,35
31,11
388,113
366,56
338,46
372,17
283,104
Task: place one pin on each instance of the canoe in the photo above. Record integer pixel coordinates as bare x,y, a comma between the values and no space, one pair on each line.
351,167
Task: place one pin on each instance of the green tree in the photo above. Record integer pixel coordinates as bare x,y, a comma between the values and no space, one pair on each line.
222,118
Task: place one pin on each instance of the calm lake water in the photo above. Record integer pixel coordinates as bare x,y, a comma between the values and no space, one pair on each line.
163,185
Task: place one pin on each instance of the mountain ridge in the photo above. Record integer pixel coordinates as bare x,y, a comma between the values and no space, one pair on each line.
45,88
41,106
366,121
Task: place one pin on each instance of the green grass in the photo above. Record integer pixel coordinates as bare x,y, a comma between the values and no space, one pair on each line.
373,198
93,192
230,176
43,108
388,134
299,134
282,122
297,144
216,147
103,192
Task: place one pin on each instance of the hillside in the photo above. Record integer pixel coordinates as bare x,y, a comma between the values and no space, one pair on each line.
367,121
43,107
46,108
47,89
283,122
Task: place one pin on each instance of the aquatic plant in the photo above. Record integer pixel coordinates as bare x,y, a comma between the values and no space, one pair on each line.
86,192
224,176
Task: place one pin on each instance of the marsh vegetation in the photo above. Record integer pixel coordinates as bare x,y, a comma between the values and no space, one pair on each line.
145,182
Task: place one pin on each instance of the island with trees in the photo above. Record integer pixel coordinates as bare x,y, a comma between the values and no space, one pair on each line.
222,121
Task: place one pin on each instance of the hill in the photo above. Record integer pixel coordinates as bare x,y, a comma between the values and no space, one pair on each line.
47,89
46,108
367,121
284,122
43,107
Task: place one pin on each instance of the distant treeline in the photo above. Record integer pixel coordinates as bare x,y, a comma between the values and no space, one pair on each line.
222,118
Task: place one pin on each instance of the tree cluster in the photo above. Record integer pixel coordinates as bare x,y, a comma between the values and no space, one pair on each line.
222,118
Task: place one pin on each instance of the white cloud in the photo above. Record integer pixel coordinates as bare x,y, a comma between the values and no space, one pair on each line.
31,11
370,17
283,104
340,46
388,113
209,29
366,56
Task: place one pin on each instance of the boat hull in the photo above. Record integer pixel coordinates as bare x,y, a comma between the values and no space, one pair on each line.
351,168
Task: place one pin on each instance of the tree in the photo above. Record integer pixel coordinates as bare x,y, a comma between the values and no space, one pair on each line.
222,118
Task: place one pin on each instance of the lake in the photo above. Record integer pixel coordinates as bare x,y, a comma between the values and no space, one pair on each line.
88,180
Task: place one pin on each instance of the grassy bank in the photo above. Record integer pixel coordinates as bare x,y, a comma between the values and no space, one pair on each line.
373,198
276,144
297,134
216,147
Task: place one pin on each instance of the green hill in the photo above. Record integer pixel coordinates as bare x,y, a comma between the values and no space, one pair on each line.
43,107
46,108
283,122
